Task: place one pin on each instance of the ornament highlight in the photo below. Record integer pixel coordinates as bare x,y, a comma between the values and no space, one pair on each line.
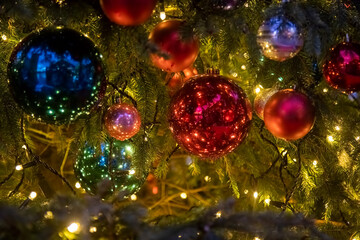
289,114
94,165
122,121
128,12
56,75
261,99
174,53
279,38
209,116
342,69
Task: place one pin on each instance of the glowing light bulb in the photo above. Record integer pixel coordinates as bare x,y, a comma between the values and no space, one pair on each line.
256,238
133,197
243,67
325,90
207,179
3,37
49,215
19,167
32,195
256,194
24,147
294,159
218,214
73,227
267,201
183,195
357,138
330,138
92,229
132,171
257,90
77,185
337,128
162,15
315,163
246,191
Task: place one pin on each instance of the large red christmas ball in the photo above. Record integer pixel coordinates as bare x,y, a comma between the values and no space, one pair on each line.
174,52
342,69
128,12
289,114
122,121
209,116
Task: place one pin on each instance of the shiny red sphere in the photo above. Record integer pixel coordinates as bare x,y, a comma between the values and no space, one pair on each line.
289,114
174,53
122,121
209,116
128,12
342,69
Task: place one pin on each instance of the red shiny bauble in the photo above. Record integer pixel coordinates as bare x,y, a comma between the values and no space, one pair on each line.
209,116
128,12
289,114
342,69
174,53
261,99
122,121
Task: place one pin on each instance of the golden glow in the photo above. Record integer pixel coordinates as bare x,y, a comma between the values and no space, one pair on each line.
183,195
246,191
337,128
207,179
256,194
132,171
330,138
77,185
19,167
243,67
49,215
73,227
325,90
24,147
162,15
315,163
218,214
32,195
267,201
92,229
3,37
256,238
133,197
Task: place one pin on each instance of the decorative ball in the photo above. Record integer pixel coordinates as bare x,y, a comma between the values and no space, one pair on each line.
226,4
56,75
289,114
209,116
342,69
174,53
174,81
128,12
122,121
279,38
261,99
93,165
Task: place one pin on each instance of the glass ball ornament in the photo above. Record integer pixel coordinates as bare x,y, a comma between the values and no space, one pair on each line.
342,68
261,99
95,164
209,116
174,53
122,121
56,74
279,38
128,12
289,114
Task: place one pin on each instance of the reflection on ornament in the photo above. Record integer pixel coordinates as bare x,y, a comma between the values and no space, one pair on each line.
174,53
289,114
279,38
226,4
209,116
56,75
122,121
261,99
342,69
94,165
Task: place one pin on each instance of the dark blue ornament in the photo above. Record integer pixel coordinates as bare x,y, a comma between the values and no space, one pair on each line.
56,75
111,161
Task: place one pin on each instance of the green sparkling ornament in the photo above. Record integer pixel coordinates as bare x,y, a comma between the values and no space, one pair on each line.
113,161
56,75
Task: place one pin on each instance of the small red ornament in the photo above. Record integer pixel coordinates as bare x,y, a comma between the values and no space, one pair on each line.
342,69
122,121
128,12
289,114
261,99
175,54
174,81
209,116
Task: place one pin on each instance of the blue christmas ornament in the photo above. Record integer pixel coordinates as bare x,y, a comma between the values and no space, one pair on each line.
112,161
56,75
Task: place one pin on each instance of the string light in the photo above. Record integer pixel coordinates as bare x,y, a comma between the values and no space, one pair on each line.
325,90
280,79
133,197
357,138
162,15
256,194
330,138
234,74
337,128
19,167
243,67
32,195
92,229
73,227
183,195
24,147
3,37
246,191
218,214
49,215
315,163
77,185
132,171
294,159
256,238
207,179
267,201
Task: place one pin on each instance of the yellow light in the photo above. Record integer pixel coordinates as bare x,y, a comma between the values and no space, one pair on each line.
246,191
132,171
256,194
257,90
235,74
315,163
77,185
162,15
325,90
256,238
183,195
218,214
294,159
330,139
133,197
3,37
32,195
337,128
267,201
357,138
49,215
92,229
24,147
74,227
19,167
243,67
207,179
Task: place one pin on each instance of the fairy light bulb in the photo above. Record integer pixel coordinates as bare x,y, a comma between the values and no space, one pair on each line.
32,195
77,185
92,229
256,194
315,163
73,227
19,167
4,37
330,139
162,15
133,197
337,128
218,214
267,201
183,195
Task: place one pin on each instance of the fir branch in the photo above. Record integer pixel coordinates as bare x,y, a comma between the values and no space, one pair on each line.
123,93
